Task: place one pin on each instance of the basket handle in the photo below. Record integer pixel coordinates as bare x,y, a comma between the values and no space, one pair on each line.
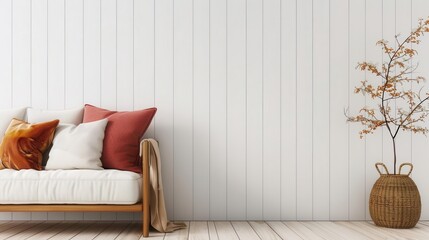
406,164
384,166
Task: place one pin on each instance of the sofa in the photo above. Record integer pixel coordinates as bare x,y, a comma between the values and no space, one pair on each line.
74,189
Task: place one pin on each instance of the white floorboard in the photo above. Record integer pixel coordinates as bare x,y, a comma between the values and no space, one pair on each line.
211,230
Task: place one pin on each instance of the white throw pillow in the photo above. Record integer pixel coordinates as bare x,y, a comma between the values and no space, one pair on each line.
69,116
77,147
6,116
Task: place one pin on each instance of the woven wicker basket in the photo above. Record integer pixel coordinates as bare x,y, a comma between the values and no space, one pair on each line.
395,200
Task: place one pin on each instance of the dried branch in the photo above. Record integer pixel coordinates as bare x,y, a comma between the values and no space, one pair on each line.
392,88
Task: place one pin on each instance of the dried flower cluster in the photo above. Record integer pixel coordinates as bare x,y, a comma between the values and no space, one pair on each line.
395,78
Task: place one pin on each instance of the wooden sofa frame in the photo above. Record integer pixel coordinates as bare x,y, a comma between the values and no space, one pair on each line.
138,207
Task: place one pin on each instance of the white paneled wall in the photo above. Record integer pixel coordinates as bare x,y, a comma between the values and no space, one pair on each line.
250,94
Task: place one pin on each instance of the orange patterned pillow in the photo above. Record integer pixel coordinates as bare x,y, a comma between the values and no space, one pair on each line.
24,143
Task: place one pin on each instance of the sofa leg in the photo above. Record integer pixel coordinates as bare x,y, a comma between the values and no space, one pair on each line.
146,223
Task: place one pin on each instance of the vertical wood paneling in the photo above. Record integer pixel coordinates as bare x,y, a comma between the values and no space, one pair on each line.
74,216
304,92
124,64
6,53
357,198
91,52
21,216
389,32
254,110
125,53
321,80
39,64
108,60
21,64
218,110
288,109
57,216
39,54
74,64
144,55
403,11
73,53
56,65
56,54
420,142
164,94
201,103
39,216
250,95
183,109
271,109
108,54
124,216
236,110
339,145
374,142
21,58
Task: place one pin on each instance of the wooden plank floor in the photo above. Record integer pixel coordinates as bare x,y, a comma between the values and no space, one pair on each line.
219,230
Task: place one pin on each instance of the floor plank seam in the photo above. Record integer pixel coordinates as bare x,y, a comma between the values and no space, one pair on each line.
61,231
41,230
284,223
88,226
251,225
273,229
217,233
23,230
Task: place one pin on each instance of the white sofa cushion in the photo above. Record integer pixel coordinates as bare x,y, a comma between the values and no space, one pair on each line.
77,147
69,116
69,187
6,116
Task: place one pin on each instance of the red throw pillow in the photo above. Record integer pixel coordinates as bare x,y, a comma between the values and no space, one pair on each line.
122,136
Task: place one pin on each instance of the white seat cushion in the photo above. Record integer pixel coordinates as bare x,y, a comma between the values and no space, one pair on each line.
69,187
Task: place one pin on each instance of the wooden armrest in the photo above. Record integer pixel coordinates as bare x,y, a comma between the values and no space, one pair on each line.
145,149
141,146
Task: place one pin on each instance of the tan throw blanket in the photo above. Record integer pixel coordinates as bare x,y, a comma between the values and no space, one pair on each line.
158,214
